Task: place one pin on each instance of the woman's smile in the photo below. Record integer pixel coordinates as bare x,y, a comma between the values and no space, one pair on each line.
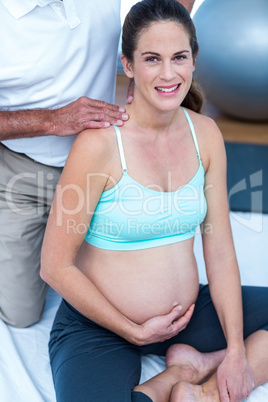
168,90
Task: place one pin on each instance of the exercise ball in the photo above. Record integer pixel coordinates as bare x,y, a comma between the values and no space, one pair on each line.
232,65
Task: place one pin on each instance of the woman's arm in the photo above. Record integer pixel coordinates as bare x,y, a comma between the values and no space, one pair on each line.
221,264
83,179
222,268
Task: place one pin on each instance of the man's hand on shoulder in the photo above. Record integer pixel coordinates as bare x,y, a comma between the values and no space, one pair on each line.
86,113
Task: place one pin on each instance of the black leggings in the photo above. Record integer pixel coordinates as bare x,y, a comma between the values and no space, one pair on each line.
90,363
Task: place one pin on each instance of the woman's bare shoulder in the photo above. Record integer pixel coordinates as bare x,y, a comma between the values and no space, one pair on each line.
209,137
92,149
203,123
206,129
94,143
95,139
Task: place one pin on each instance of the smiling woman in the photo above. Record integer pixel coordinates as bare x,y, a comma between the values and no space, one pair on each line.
129,284
178,60
166,72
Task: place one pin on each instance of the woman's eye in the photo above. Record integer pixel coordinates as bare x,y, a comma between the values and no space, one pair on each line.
151,59
181,57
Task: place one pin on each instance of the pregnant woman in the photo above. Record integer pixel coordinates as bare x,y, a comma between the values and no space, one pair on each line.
119,241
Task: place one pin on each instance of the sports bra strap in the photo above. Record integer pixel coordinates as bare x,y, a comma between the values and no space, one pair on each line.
121,150
192,131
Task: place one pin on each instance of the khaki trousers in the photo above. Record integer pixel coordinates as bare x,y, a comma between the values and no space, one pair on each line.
26,193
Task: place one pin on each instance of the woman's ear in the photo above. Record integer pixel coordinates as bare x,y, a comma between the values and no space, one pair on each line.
127,66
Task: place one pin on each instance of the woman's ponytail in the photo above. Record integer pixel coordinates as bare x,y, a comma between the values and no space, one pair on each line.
194,98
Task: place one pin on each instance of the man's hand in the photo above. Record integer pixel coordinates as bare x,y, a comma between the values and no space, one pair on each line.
86,113
161,328
234,377
188,4
68,120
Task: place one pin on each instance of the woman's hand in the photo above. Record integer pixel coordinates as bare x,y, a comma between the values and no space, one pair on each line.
234,377
163,327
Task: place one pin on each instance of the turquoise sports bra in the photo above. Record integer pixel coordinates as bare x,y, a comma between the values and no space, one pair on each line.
130,216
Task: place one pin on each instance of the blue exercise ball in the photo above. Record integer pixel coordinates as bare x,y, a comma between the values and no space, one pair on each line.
232,65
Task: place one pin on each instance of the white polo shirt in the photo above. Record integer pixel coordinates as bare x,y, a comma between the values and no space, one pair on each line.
53,52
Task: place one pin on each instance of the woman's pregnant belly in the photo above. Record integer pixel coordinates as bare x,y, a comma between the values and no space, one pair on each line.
145,283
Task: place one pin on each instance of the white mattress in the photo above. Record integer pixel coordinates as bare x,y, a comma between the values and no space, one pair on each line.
24,366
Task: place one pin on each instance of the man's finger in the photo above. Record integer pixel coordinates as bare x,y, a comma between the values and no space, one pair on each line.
103,105
98,124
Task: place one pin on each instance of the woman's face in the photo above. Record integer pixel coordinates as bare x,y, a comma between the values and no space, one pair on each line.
163,65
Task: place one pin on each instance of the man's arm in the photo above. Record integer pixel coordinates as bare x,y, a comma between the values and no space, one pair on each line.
71,119
188,4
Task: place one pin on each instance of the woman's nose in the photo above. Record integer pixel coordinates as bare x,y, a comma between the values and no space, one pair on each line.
167,71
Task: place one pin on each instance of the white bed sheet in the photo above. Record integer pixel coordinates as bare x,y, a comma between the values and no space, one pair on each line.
24,365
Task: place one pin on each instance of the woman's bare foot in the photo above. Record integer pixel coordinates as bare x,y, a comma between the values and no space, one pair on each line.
193,367
185,392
